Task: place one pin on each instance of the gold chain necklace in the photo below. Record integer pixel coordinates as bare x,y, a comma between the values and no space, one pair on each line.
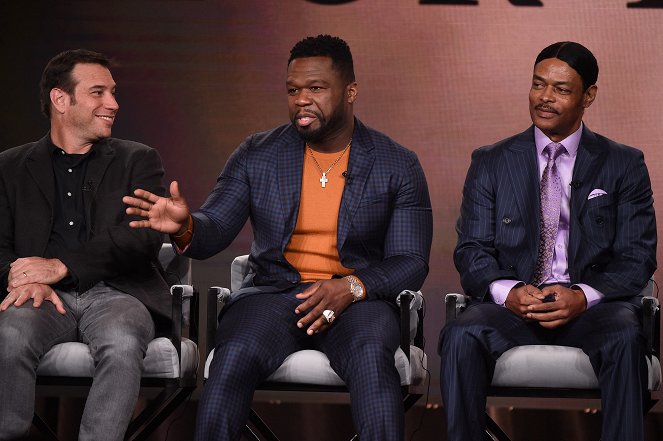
324,179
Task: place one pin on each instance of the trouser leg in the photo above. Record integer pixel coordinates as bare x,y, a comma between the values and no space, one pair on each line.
256,333
117,327
360,345
468,348
611,335
26,333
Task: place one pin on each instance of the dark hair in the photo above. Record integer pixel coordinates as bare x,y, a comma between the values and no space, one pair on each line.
326,46
575,55
57,73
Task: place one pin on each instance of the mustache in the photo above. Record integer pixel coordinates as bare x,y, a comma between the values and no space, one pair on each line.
546,108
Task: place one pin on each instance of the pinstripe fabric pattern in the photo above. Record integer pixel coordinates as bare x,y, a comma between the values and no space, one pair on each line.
385,217
384,233
612,248
609,333
612,238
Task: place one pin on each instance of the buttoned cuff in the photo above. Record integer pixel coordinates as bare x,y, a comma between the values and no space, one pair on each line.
499,289
593,296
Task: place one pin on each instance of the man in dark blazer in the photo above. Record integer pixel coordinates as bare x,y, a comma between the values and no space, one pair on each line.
579,286
71,268
342,223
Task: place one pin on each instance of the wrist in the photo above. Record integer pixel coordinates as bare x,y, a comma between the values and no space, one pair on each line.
357,290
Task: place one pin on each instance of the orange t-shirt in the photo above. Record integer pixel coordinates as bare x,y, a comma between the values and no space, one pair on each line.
313,247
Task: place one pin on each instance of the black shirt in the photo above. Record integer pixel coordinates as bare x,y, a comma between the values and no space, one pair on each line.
69,223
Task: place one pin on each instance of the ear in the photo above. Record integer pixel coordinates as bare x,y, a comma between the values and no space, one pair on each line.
351,91
589,96
58,99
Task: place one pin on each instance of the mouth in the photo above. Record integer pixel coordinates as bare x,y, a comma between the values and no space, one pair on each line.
305,119
109,118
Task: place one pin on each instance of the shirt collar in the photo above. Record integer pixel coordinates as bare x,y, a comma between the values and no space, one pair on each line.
571,142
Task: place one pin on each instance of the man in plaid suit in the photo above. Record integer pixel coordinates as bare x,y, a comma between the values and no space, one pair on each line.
342,223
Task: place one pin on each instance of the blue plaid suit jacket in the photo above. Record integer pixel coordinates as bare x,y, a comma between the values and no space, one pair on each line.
612,238
384,221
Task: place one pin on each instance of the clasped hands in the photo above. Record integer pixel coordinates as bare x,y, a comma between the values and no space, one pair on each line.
30,278
527,301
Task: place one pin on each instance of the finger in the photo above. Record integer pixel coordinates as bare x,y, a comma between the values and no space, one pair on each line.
307,295
59,306
145,195
175,190
139,224
138,212
317,326
21,299
11,298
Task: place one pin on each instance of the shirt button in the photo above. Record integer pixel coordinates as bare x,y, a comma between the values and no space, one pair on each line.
71,222
69,170
69,193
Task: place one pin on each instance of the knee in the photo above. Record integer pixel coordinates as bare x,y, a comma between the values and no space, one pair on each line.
455,337
15,338
121,350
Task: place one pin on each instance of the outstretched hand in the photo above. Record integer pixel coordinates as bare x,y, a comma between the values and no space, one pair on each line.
166,215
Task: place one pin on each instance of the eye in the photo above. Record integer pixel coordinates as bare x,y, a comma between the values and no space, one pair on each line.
292,91
315,89
537,85
563,91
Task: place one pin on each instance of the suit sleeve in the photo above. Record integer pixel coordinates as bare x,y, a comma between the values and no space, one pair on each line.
119,249
226,209
407,241
475,255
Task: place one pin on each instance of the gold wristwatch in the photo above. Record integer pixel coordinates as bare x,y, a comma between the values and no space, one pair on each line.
356,288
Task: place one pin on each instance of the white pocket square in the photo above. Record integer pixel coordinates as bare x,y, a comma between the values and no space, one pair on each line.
596,193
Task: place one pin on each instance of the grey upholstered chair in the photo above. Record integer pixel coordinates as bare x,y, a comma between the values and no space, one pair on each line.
549,371
309,370
171,362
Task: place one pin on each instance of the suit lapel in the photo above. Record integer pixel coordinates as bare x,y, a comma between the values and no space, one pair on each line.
588,161
96,168
522,168
290,169
360,164
40,167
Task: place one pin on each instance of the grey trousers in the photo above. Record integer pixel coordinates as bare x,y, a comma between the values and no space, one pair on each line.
116,326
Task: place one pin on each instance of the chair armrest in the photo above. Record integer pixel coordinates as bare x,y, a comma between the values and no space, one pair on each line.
181,314
454,305
405,299
216,296
411,323
650,309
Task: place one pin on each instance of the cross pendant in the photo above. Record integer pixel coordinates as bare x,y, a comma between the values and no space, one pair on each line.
324,180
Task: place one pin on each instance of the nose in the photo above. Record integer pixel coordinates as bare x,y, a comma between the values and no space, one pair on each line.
547,94
110,102
302,99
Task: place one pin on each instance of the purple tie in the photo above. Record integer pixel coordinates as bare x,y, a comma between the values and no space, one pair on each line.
551,199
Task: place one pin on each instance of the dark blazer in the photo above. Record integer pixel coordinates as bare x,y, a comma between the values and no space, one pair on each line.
612,238
384,221
124,258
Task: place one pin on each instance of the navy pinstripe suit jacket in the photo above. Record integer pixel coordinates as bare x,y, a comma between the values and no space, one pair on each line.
384,221
612,238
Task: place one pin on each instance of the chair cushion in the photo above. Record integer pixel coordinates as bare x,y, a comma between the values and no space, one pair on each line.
73,359
312,367
554,367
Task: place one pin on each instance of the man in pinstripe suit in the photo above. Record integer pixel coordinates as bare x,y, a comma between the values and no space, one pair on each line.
342,223
602,252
